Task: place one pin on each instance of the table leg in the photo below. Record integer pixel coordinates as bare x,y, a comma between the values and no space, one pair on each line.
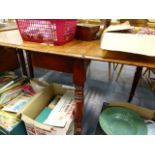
135,82
21,61
79,79
29,63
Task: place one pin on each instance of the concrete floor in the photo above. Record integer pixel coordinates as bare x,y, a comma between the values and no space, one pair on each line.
99,89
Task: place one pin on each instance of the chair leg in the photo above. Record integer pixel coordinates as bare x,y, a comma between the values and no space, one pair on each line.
113,66
153,86
148,77
149,73
120,70
150,80
116,67
146,70
87,67
109,70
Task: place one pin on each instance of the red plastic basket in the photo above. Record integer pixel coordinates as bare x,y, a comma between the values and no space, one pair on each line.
55,31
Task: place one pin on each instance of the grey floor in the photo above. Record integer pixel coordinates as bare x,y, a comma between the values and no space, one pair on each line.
98,89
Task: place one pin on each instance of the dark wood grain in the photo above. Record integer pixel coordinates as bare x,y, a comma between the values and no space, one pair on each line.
54,62
8,59
79,71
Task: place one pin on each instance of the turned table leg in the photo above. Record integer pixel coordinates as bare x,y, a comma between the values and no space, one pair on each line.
136,79
79,79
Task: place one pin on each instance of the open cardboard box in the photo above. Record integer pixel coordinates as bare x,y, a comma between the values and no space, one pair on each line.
116,38
37,104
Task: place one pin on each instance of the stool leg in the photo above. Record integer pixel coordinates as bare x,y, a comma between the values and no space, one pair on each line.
137,76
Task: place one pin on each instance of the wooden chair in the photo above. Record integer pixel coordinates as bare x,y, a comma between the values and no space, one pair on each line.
150,80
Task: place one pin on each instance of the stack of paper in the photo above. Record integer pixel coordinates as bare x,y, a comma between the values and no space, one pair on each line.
60,114
8,120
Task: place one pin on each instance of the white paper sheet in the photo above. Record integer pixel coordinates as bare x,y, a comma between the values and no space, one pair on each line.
59,116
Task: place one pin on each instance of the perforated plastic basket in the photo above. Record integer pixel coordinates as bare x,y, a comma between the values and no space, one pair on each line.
53,31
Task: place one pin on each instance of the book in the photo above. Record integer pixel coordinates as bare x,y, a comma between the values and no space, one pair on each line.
43,115
16,105
12,84
8,120
4,80
9,95
54,102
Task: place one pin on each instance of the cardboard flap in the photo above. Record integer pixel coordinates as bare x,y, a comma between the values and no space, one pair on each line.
43,99
58,89
144,112
42,126
120,27
27,119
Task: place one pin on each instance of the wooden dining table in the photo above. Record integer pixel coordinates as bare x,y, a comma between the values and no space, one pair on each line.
72,57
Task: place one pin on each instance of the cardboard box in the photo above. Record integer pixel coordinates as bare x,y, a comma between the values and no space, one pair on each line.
143,44
37,104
